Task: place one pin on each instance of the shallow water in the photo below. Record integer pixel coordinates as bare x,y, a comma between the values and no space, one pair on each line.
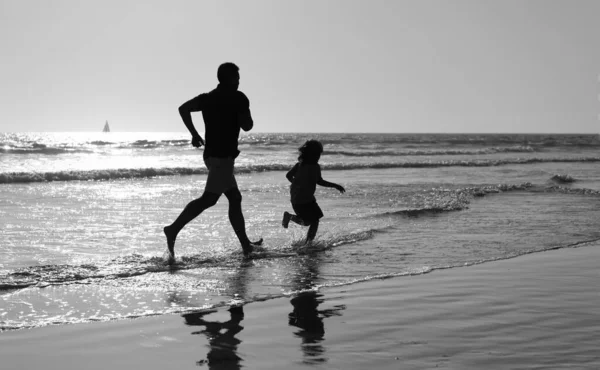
77,250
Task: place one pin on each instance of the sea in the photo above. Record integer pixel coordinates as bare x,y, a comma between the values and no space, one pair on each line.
82,216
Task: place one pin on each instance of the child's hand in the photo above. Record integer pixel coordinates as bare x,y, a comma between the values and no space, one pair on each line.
341,189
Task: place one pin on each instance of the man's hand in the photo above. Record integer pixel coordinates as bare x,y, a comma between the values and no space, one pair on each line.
340,188
197,141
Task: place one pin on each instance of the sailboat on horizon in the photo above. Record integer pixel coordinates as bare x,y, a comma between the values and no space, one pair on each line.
106,127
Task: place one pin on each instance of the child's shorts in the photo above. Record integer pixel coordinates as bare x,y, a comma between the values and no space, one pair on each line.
308,212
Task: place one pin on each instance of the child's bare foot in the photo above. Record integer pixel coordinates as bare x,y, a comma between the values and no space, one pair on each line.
170,244
286,219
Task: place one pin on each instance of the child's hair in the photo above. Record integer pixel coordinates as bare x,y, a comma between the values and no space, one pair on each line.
310,152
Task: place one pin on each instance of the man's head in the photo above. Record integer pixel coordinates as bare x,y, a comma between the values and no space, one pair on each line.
228,74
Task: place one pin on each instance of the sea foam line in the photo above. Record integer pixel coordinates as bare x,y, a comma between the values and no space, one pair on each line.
130,173
136,265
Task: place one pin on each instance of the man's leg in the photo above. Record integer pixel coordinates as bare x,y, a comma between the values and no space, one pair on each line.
236,218
191,211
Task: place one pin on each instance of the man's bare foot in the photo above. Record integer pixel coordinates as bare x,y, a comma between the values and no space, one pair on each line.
248,248
170,244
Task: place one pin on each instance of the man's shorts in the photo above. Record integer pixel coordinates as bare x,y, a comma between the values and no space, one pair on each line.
220,175
308,212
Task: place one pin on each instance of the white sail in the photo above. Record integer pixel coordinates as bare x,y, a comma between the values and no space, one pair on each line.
106,128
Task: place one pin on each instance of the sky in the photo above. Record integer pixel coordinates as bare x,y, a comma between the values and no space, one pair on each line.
413,66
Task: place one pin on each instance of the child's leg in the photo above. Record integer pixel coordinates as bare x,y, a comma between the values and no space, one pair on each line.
287,217
312,231
297,220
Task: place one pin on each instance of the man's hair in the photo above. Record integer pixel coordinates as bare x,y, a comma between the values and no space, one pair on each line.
226,70
310,152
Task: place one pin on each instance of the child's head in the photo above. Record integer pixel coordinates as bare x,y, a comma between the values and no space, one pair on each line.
310,152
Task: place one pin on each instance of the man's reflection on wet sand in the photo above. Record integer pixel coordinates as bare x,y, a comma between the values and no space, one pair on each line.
223,344
306,314
222,341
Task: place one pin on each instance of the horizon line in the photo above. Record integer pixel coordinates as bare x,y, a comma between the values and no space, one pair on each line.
326,132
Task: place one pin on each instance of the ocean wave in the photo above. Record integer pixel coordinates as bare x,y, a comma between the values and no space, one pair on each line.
432,152
154,144
449,200
372,145
33,147
43,150
562,179
461,163
485,140
441,200
575,191
96,175
131,173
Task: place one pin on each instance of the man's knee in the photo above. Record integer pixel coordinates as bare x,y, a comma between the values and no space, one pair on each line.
234,196
209,199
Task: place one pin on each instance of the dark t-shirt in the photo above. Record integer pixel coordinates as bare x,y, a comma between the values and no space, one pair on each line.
304,183
225,111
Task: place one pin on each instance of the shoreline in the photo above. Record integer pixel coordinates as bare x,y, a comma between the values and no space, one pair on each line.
534,311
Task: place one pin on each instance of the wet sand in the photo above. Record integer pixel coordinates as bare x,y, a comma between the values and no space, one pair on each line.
539,311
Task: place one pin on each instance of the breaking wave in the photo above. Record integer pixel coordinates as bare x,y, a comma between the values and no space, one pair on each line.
132,173
446,200
562,179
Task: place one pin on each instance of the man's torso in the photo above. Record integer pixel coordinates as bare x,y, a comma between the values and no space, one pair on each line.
220,111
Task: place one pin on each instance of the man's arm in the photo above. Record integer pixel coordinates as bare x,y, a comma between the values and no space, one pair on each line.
244,117
245,120
185,111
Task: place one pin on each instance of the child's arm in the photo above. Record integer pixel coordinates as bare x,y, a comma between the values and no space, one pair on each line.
328,184
292,173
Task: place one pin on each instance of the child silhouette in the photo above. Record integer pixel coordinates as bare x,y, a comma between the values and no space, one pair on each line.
305,176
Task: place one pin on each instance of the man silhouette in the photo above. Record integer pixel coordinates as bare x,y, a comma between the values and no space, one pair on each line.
225,111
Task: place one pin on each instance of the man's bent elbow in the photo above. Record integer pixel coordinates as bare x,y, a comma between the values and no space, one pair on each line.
245,121
183,109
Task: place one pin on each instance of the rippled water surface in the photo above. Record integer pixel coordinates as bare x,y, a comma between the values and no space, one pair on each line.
82,216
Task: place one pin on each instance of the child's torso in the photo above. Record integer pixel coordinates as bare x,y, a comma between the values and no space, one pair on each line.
305,183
